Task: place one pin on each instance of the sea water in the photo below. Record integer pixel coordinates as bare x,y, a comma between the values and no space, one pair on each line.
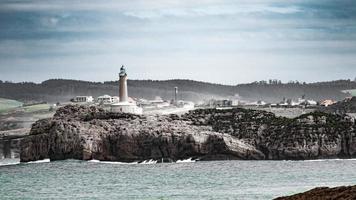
73,179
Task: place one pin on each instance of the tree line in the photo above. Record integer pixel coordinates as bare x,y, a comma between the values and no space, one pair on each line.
55,90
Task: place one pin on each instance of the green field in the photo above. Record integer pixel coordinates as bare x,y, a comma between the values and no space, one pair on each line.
8,104
352,92
35,108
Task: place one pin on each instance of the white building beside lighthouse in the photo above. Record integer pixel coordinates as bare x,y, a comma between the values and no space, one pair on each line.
125,103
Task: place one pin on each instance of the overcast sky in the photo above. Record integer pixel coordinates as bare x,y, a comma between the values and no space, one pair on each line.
225,41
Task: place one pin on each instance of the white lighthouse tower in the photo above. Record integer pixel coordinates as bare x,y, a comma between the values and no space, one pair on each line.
123,85
125,103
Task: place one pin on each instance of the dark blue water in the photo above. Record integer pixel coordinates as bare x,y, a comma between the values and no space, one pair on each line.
201,180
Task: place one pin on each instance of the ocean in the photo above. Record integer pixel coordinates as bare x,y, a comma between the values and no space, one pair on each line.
73,179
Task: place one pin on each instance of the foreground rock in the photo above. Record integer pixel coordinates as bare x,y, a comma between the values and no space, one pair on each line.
325,193
91,133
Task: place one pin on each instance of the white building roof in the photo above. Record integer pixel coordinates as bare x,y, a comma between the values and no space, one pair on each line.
104,96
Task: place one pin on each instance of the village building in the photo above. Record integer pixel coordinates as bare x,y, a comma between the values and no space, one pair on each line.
83,99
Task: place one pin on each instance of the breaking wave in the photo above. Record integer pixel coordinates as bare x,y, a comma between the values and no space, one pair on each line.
6,162
39,161
145,162
112,162
189,160
148,162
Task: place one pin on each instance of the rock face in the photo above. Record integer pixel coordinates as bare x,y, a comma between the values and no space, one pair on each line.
325,193
86,133
311,136
90,133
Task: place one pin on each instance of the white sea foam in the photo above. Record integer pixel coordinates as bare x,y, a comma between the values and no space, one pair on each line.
7,162
94,161
148,162
112,162
189,160
39,161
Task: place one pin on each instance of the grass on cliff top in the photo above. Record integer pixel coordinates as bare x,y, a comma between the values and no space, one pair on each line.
36,108
352,92
8,104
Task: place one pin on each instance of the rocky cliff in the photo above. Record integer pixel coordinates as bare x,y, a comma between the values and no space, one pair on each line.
311,136
91,133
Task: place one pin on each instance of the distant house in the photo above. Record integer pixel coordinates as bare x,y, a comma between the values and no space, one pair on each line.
235,102
220,103
158,102
261,103
83,99
105,99
312,102
308,103
115,99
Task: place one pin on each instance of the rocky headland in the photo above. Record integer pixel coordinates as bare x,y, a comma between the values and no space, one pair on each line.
85,133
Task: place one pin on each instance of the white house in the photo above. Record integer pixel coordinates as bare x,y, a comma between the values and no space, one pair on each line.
104,99
83,99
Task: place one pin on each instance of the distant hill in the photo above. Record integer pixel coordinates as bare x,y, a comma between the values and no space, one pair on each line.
63,90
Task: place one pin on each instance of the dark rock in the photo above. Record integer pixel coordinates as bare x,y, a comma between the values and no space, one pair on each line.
310,136
325,193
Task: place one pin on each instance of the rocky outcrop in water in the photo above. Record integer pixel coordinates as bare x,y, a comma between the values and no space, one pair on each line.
91,133
325,193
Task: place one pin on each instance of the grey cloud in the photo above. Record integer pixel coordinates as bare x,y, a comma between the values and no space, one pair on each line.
265,39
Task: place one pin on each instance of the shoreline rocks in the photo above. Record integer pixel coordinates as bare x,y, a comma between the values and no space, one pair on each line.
343,192
85,133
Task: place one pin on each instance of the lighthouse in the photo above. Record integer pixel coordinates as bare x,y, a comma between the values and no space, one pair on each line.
125,104
123,85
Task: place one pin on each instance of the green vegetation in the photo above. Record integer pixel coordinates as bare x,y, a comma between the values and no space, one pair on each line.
352,92
8,104
36,108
